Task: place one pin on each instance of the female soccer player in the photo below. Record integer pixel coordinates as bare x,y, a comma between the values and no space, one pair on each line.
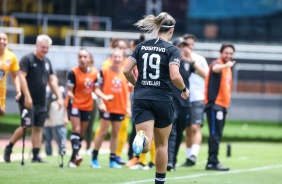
80,84
158,65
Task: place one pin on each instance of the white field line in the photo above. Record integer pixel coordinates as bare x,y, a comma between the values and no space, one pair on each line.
211,174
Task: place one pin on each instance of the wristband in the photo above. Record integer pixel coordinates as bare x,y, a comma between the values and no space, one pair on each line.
184,90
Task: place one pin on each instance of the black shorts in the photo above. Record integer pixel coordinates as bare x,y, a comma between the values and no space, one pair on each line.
111,116
82,115
33,117
161,112
197,112
182,116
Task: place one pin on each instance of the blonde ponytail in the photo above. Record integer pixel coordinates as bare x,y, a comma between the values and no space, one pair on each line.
151,24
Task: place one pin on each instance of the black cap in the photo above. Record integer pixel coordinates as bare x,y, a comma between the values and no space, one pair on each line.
178,41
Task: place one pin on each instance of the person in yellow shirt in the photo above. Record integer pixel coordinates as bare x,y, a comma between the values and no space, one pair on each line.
8,63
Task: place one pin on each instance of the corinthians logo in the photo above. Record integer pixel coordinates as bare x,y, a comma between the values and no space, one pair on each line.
88,83
116,82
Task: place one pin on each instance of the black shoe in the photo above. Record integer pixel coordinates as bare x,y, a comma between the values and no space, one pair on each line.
170,167
151,165
119,160
7,154
216,167
189,161
38,160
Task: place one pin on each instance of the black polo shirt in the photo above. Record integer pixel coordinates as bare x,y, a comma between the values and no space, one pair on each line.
38,72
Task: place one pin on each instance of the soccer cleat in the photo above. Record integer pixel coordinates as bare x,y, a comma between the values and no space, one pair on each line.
119,160
132,162
114,164
217,167
7,155
72,165
139,142
149,166
38,160
77,160
137,166
95,163
189,161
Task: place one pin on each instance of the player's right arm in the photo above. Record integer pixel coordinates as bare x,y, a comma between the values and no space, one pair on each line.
217,68
24,68
70,85
25,90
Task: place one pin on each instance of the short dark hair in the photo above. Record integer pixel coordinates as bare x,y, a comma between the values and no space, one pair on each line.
186,36
225,45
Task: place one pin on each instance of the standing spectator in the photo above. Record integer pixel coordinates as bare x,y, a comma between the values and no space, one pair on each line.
112,112
182,107
55,123
35,72
8,63
79,101
197,96
217,100
158,65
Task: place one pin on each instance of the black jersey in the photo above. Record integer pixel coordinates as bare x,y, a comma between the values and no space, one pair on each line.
153,58
185,71
37,77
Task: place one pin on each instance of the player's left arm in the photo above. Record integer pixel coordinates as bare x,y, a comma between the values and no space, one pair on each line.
53,82
16,80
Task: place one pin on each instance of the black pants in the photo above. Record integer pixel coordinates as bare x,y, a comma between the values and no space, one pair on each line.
181,120
216,121
130,141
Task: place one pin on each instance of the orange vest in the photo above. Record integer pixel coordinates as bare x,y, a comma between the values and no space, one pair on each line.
218,86
83,88
116,84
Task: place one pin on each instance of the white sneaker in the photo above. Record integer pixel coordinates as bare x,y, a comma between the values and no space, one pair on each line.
72,165
139,142
136,167
88,152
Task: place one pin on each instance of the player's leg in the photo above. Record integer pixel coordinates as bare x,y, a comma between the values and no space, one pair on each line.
197,120
104,126
216,121
40,114
143,139
114,141
75,136
122,138
18,133
161,142
47,135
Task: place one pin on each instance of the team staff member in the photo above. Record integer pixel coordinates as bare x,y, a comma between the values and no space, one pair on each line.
197,96
112,112
158,65
8,63
80,84
35,72
182,107
217,100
